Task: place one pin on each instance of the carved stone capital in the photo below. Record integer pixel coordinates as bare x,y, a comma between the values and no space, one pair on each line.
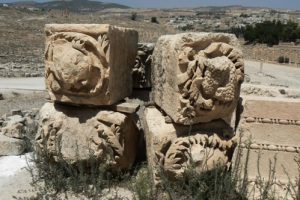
77,134
89,64
197,76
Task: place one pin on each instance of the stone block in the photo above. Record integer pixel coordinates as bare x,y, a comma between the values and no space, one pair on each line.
270,143
173,148
89,63
196,77
75,134
141,73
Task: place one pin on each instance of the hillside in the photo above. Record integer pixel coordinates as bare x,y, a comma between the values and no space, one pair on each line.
72,5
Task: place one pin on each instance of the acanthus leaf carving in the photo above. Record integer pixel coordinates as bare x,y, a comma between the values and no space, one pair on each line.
89,58
201,151
209,78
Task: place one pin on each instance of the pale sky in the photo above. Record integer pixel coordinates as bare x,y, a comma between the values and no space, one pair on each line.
290,4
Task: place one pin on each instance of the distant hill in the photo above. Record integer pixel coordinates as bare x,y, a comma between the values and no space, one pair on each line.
72,5
220,8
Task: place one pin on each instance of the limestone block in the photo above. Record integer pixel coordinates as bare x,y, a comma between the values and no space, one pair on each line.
77,134
141,73
270,140
286,172
11,146
89,63
196,77
174,148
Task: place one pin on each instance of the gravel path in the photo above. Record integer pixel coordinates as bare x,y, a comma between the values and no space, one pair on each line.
23,83
273,74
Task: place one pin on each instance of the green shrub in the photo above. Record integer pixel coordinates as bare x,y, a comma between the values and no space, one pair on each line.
280,59
133,16
286,60
154,20
217,184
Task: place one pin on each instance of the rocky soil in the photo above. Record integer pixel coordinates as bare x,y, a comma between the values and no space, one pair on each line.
21,100
22,55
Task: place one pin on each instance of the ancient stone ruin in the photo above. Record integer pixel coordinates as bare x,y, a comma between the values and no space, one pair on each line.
17,130
197,77
196,80
173,148
81,134
195,116
88,65
269,132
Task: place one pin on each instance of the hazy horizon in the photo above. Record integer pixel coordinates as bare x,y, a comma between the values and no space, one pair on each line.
287,4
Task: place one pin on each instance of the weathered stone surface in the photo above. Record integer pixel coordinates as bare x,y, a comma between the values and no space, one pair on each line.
16,112
266,139
127,107
273,110
14,126
89,63
79,134
275,134
11,146
20,126
173,148
196,77
141,73
259,170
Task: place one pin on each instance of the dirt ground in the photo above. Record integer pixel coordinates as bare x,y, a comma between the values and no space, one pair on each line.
21,99
22,35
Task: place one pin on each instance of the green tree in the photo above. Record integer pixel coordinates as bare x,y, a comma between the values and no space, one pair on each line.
272,32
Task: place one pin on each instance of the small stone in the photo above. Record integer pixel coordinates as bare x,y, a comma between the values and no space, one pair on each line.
13,126
26,113
11,146
14,130
290,149
255,146
16,112
282,91
27,75
1,96
250,119
266,120
15,119
272,147
34,74
127,107
282,121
